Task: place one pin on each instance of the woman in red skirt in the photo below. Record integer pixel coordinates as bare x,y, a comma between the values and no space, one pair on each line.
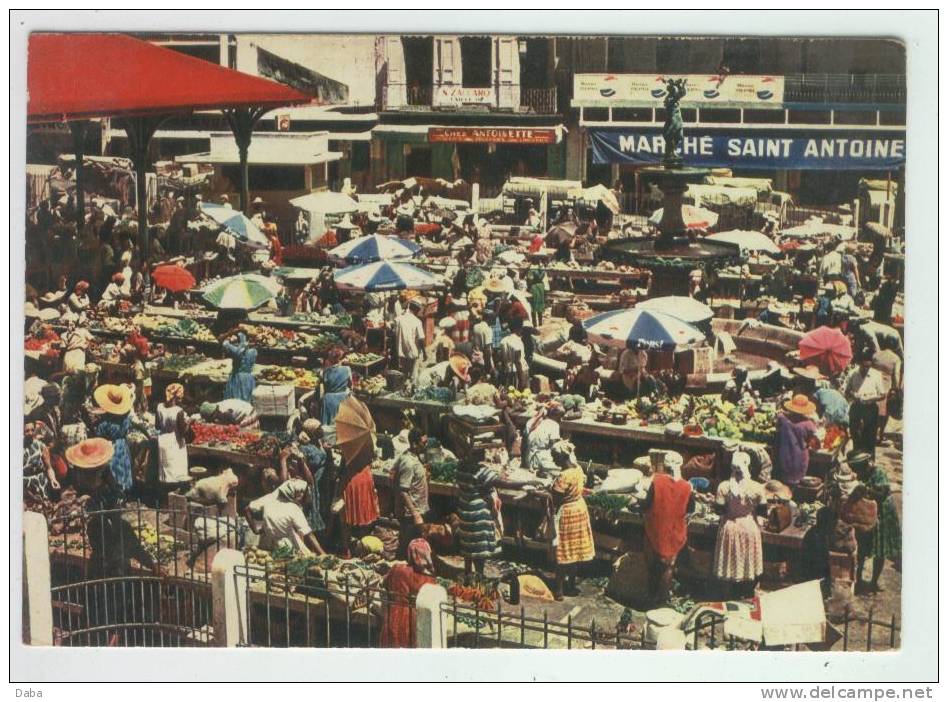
360,501
401,587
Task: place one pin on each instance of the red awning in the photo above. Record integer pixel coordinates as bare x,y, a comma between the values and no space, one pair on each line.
82,76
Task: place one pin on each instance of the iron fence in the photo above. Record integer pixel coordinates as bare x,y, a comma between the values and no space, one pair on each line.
845,88
287,608
134,576
541,101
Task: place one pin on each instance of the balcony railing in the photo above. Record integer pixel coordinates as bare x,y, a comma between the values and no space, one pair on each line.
541,101
845,88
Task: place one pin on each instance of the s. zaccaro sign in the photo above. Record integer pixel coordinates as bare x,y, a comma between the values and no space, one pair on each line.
648,89
764,149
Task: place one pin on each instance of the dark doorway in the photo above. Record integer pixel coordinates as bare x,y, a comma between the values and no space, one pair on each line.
476,62
418,161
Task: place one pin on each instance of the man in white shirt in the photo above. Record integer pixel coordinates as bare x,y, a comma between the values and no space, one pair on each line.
409,340
482,337
864,389
831,265
278,518
631,361
512,359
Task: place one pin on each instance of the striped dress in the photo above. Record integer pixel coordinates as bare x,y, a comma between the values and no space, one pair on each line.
477,532
574,537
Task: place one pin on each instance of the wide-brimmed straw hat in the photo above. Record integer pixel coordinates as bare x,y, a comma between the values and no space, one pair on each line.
774,489
811,372
90,453
114,399
800,404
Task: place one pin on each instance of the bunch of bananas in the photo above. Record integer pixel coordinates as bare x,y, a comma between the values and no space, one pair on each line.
523,395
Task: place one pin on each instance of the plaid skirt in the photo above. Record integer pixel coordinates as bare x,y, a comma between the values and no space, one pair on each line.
574,534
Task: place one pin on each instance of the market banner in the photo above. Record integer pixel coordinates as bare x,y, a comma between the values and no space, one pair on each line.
491,135
648,90
757,148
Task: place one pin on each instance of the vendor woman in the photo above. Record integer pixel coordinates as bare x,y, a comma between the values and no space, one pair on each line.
337,383
573,536
541,434
241,383
739,551
666,506
795,432
279,520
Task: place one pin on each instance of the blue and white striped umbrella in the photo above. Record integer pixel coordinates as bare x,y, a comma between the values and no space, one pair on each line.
375,247
385,275
637,328
237,224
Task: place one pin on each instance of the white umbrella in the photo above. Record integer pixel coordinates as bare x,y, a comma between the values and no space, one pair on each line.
687,309
385,275
747,240
637,328
326,202
694,217
237,224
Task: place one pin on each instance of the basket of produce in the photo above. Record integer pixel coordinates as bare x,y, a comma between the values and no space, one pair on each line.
281,375
370,387
365,364
693,430
222,436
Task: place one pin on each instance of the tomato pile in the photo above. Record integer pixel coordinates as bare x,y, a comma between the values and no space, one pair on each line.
217,434
476,594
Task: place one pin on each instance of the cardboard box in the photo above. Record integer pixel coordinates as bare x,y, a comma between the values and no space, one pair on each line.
274,400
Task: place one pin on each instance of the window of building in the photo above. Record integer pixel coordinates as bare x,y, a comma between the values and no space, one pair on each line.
360,156
419,58
719,115
808,116
596,114
854,117
894,118
476,62
288,178
631,114
534,63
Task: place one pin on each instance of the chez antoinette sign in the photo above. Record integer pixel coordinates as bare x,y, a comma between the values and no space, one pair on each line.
648,89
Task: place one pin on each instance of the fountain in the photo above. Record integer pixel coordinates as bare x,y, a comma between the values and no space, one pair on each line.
672,255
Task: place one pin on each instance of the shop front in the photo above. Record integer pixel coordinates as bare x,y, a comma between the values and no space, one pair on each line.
485,155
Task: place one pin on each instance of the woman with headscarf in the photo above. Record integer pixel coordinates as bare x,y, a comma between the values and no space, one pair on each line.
402,585
113,294
279,520
172,425
666,507
79,299
739,551
536,280
116,400
306,459
795,432
572,529
76,341
885,540
241,383
541,434
337,384
480,525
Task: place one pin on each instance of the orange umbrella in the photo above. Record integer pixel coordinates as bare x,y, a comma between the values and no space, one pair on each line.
355,429
173,277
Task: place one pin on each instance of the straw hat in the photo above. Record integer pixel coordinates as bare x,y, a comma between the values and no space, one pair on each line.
460,364
846,479
774,489
811,372
495,285
114,399
90,453
800,404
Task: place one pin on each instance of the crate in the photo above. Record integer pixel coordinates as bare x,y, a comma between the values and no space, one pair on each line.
274,400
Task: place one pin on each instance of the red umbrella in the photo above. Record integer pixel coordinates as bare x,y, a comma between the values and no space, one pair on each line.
828,348
173,277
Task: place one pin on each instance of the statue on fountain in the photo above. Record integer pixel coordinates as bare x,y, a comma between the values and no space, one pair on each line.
674,128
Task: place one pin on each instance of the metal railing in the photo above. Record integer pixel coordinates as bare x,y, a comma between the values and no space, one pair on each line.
541,101
133,576
290,609
845,88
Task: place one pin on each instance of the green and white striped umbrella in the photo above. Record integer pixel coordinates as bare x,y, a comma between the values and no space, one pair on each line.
238,293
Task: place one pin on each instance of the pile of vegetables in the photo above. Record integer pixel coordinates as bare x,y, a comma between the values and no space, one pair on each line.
572,402
727,420
180,362
607,501
478,591
434,394
301,377
185,328
372,386
362,359
163,548
264,445
208,434
269,337
443,472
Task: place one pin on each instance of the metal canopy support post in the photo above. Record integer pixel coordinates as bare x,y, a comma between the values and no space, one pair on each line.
78,130
242,121
140,130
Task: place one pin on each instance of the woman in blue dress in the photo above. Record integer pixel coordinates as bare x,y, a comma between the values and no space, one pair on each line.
116,400
337,381
241,383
